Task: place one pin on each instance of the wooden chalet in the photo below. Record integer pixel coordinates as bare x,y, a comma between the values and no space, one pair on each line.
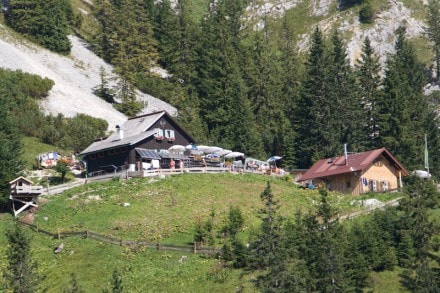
24,194
371,171
141,139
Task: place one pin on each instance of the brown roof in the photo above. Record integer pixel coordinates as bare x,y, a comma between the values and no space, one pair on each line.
356,162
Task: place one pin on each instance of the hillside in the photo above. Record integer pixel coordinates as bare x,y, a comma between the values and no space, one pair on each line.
75,76
160,211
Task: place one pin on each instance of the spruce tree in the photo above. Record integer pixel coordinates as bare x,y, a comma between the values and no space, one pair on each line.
402,109
269,253
422,275
267,249
313,109
43,21
346,120
10,150
433,32
21,272
368,72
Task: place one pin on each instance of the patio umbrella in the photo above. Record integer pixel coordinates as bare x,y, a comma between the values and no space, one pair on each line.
274,158
177,148
234,155
203,148
223,152
191,147
212,149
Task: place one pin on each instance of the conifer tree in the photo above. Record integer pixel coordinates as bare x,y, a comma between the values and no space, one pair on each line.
223,94
44,21
346,117
265,77
403,107
22,272
313,104
10,150
368,72
291,68
265,250
421,196
433,32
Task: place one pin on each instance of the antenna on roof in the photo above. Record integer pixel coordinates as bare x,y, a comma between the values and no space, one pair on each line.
345,154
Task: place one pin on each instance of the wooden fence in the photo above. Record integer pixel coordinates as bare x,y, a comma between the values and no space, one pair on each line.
196,248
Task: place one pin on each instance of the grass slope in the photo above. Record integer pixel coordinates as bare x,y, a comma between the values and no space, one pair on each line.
163,210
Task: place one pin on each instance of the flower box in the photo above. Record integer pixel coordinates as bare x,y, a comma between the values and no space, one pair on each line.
159,137
171,139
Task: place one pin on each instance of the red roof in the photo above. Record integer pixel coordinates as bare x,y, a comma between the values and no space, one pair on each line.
355,162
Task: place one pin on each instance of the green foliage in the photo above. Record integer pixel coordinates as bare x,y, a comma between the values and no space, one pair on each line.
62,167
366,13
433,32
22,272
73,286
10,153
403,108
49,29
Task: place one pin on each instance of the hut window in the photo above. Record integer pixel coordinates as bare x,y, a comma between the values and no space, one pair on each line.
159,132
92,157
100,155
169,133
348,184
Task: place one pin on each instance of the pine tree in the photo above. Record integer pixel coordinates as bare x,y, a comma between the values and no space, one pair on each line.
346,120
433,32
403,107
368,71
44,21
73,286
117,282
267,249
22,272
313,108
265,92
269,254
222,92
10,150
421,276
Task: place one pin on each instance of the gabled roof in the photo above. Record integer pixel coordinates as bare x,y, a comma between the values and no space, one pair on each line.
110,143
134,130
21,178
355,162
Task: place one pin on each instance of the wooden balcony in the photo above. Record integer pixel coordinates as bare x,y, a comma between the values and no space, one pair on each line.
27,189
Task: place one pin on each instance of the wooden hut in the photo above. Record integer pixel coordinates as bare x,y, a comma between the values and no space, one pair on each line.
24,194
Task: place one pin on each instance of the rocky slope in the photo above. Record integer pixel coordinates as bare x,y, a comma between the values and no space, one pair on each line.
75,76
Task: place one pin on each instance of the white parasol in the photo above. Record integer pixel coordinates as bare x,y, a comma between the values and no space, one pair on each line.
234,155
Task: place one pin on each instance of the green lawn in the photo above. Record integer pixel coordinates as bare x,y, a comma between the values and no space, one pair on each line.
163,210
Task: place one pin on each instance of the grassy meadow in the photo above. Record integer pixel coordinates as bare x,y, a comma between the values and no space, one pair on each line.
160,210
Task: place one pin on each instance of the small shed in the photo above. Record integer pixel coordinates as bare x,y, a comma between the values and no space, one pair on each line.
24,194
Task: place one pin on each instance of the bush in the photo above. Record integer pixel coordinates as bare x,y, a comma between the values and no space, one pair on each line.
366,14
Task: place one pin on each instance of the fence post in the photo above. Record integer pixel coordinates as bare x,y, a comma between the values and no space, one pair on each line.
87,233
158,246
120,242
58,231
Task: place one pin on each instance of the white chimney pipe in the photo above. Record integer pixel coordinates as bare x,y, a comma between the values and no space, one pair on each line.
345,154
120,132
